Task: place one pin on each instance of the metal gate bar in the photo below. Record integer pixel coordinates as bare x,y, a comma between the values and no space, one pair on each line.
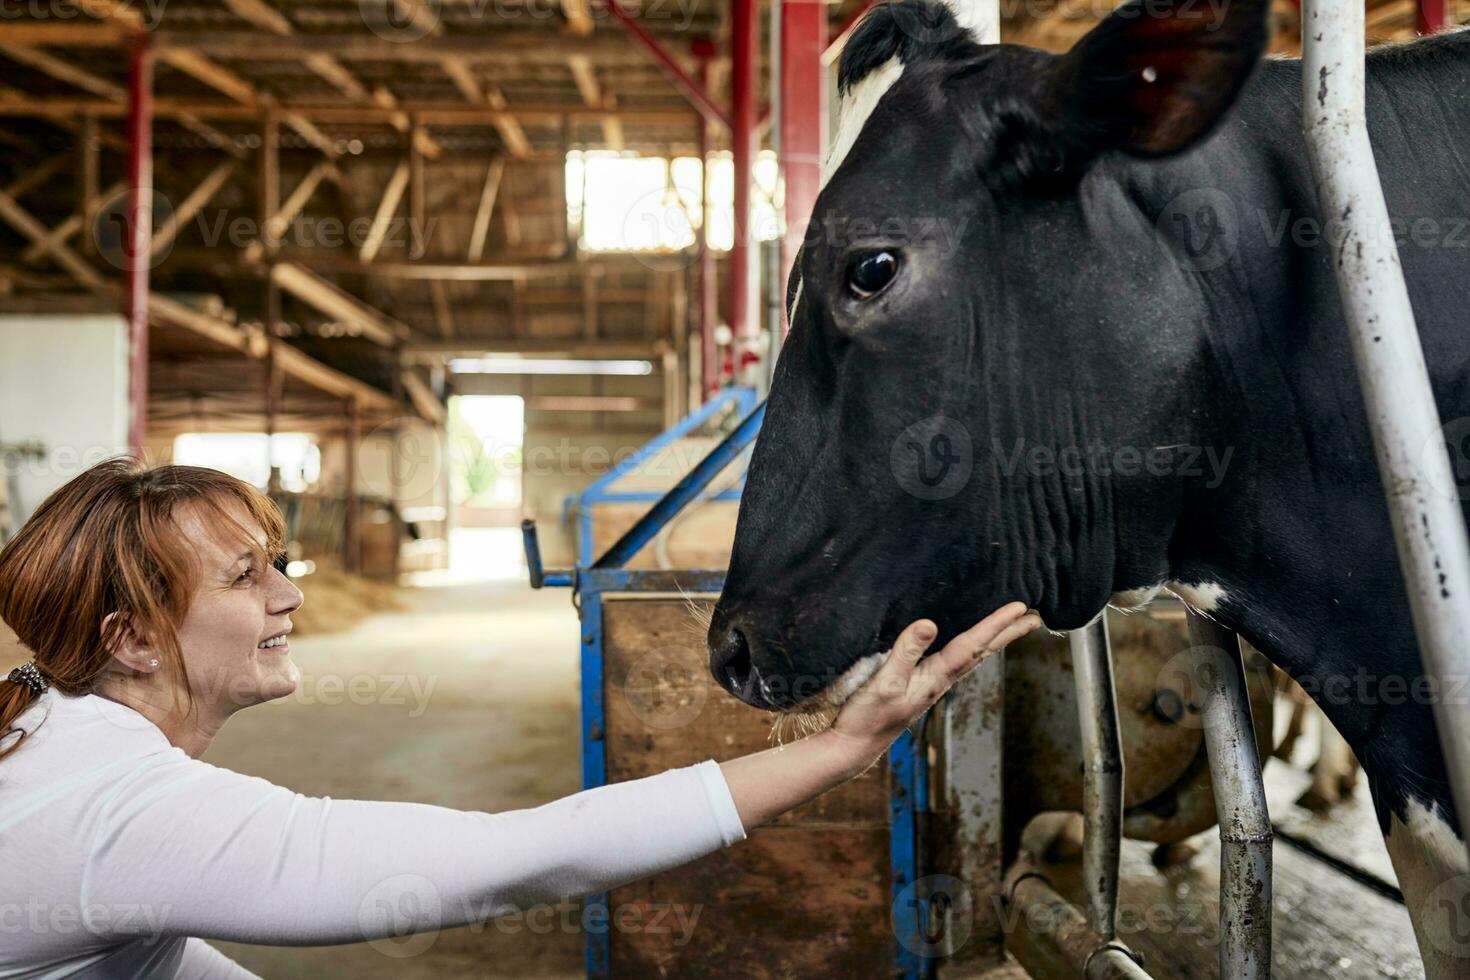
1102,772
1423,502
1218,676
1050,937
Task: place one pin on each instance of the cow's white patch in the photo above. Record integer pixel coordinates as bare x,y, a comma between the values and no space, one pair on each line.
853,678
1130,599
1202,597
853,112
1427,853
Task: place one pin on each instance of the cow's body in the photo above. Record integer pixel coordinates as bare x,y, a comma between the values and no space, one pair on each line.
1180,302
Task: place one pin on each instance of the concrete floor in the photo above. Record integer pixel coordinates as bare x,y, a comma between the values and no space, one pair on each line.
468,699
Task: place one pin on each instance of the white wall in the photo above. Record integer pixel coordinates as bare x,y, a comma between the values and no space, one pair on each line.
63,384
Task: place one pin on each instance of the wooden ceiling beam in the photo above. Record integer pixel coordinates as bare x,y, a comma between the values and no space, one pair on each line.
494,173
579,17
338,304
441,113
383,216
64,71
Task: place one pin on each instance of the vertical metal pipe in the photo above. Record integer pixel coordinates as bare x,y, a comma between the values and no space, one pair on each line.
137,250
802,119
709,308
1423,499
1218,683
1102,772
744,268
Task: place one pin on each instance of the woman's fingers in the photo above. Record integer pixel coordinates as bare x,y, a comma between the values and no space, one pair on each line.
910,647
1007,624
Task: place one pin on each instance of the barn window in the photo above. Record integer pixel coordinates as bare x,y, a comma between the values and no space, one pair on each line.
621,202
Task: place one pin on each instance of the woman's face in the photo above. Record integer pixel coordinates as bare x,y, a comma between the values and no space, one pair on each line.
234,637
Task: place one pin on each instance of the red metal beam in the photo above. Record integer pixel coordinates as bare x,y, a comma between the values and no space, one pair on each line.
709,306
744,77
1431,17
692,90
138,227
803,119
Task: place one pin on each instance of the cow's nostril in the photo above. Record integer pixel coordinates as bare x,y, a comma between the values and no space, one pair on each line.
734,667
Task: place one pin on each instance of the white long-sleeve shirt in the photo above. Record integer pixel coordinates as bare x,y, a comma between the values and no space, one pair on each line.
119,854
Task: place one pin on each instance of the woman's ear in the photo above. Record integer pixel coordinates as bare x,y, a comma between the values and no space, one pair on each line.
127,648
1154,78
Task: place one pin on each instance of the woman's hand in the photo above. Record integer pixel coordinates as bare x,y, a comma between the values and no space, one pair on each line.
906,686
767,784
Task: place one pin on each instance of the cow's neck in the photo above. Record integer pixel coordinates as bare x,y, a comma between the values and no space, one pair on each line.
1298,534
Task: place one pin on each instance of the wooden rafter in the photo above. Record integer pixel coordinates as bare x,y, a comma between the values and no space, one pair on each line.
339,304
591,91
579,17
74,223
65,71
276,223
78,268
507,125
494,173
200,196
387,207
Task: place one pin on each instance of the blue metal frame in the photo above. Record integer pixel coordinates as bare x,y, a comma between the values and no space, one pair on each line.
593,578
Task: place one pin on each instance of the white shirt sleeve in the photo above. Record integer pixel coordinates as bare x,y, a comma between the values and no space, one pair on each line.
218,855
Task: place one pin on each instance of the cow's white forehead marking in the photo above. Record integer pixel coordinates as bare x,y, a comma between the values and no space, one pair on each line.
855,108
1203,597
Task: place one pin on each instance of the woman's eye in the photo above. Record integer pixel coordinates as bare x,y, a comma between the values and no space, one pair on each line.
245,576
868,274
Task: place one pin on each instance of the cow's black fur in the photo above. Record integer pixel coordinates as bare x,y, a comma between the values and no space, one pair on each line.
1074,310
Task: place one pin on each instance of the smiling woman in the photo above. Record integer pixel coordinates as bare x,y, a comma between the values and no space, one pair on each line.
150,602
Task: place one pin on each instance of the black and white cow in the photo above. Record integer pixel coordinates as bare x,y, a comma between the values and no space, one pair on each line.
1065,329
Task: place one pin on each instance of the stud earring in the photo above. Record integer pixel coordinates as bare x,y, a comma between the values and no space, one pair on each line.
153,663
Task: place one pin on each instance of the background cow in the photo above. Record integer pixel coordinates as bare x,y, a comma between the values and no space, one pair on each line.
1066,330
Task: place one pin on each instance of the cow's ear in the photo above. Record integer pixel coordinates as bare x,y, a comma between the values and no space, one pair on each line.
1156,75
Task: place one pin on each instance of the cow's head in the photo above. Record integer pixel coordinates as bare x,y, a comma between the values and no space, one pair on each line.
990,336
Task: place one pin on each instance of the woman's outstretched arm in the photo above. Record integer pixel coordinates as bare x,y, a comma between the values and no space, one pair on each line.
217,855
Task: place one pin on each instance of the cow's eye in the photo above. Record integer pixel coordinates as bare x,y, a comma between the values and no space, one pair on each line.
867,274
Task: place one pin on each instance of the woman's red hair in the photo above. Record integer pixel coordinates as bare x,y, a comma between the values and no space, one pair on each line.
109,542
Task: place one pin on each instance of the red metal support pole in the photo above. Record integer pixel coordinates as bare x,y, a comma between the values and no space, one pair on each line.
139,230
744,79
696,93
803,120
709,304
1431,16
